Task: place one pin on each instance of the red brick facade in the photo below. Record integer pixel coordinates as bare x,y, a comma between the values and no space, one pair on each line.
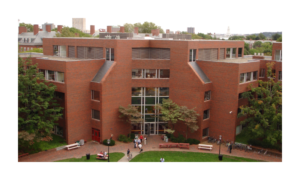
186,87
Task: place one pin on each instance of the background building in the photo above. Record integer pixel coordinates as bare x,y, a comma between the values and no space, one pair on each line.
79,23
52,26
191,30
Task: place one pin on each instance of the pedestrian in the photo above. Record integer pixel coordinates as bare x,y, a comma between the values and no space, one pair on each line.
161,159
128,152
145,139
230,147
141,138
140,147
139,141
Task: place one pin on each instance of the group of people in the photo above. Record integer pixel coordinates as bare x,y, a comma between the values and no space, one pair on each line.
162,159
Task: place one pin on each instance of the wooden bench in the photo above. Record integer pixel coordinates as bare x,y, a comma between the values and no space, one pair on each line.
184,145
72,146
23,155
205,146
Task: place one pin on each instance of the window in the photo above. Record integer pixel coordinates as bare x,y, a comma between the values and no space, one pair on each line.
192,55
164,91
205,132
55,50
51,75
95,114
206,114
239,111
207,96
150,91
255,75
136,91
280,75
248,77
164,73
110,54
150,73
273,73
60,77
242,78
238,129
262,73
137,73
278,55
59,95
95,95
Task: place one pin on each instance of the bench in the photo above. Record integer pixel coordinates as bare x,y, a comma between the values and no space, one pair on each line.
205,146
23,155
168,145
184,145
72,146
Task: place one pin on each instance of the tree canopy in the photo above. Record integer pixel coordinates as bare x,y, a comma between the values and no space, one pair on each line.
37,109
236,38
70,32
29,27
146,27
264,112
130,114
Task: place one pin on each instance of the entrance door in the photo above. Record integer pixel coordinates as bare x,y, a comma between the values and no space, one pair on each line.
150,128
96,135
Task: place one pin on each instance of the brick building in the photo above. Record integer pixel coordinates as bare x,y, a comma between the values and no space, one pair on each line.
96,76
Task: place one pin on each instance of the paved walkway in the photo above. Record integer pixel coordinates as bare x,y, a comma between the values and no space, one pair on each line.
152,145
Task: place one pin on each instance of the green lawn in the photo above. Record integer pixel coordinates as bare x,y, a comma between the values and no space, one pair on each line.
114,157
173,156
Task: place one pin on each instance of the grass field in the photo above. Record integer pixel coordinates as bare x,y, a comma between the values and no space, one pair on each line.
114,157
173,156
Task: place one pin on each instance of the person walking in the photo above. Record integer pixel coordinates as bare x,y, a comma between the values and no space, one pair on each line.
145,140
140,147
141,138
230,147
128,152
139,141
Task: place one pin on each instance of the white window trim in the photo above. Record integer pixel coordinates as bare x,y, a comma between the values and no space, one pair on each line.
245,78
157,74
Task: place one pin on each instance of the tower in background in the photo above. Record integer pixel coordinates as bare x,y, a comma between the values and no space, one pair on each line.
191,30
79,23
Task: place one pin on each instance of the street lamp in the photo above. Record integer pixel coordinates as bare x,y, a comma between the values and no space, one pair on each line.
108,141
220,156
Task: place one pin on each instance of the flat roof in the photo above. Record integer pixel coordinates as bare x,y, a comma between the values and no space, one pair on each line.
55,58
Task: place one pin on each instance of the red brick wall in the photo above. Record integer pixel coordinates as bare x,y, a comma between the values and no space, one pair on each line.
48,28
59,27
92,29
35,29
122,30
22,29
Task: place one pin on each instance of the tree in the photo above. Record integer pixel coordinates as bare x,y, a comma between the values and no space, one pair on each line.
70,32
257,44
264,112
189,117
275,36
261,36
170,112
252,36
130,114
146,27
236,38
37,109
279,39
29,27
246,49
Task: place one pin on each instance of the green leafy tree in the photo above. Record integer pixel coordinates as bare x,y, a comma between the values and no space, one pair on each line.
252,36
70,32
279,39
170,112
146,27
246,49
236,38
275,36
261,36
190,119
264,112
130,114
257,44
37,109
29,27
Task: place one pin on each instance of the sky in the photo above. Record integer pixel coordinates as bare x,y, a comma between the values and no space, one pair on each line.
206,16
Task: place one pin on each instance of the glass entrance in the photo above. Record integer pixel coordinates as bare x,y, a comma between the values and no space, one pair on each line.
150,128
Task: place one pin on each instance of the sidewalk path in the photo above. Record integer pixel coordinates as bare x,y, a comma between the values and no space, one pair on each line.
152,145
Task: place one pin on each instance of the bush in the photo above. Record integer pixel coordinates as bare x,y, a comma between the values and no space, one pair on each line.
131,135
123,138
112,142
192,141
263,144
179,139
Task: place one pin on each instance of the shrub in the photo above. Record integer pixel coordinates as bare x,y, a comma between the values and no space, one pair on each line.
112,142
122,138
192,141
263,144
180,138
131,135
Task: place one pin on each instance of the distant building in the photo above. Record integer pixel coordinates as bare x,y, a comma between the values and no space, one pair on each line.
191,30
44,26
79,23
115,28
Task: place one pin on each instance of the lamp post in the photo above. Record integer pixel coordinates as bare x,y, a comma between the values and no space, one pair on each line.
108,141
220,156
